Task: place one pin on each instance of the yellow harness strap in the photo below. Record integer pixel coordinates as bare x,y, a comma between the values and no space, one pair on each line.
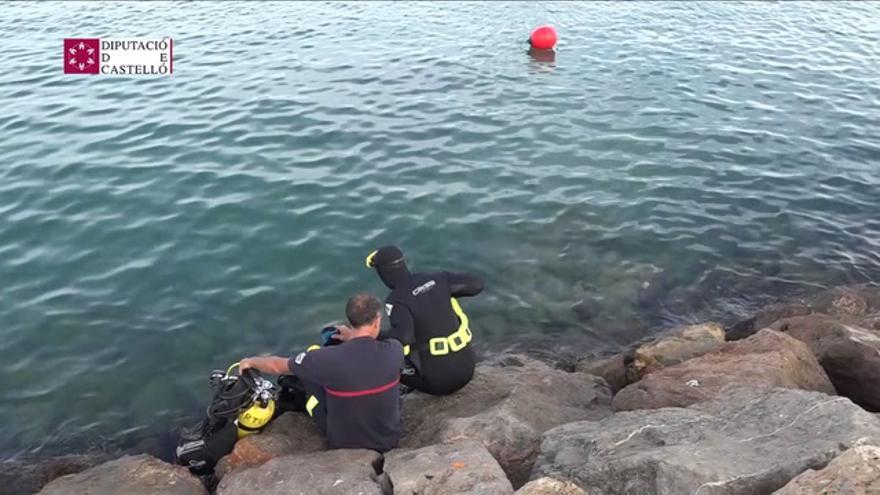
456,341
311,404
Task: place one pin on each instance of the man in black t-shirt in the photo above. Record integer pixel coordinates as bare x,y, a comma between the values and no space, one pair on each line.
353,388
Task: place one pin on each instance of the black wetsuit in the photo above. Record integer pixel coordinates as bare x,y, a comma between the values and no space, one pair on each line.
420,308
356,388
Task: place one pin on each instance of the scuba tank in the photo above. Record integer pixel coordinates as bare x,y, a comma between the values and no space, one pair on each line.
261,410
242,404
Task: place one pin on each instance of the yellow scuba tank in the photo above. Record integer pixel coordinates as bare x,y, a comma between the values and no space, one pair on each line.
242,404
255,417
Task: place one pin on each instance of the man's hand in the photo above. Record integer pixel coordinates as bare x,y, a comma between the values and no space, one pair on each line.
273,365
344,333
245,364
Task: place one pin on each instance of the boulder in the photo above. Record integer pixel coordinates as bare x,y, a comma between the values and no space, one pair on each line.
318,473
30,475
853,300
766,359
290,433
765,318
748,442
460,467
674,347
847,348
550,486
611,368
855,472
507,405
132,475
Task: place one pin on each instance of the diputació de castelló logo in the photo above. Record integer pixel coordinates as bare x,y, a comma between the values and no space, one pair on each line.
119,57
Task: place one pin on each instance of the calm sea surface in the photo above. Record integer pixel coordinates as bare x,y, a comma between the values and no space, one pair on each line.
675,162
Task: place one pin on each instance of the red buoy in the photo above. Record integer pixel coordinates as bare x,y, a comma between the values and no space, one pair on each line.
543,38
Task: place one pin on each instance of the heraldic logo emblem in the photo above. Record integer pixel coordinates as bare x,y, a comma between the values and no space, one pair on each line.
82,55
119,56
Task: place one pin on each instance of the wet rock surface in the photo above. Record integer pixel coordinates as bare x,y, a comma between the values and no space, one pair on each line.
745,443
767,359
460,467
506,407
131,475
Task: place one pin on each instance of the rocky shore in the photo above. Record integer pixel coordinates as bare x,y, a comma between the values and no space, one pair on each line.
784,402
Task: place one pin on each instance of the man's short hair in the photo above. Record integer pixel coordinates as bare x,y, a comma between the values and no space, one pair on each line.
362,309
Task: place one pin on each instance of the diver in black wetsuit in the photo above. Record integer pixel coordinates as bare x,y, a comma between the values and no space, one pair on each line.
427,319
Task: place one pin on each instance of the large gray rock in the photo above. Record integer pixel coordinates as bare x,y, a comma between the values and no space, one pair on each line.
30,475
550,486
855,472
750,442
290,433
508,404
766,359
847,348
676,346
131,475
461,467
318,473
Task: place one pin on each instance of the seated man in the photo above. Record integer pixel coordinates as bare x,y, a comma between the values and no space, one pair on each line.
354,386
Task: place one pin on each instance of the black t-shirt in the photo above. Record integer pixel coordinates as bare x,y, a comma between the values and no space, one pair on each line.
361,380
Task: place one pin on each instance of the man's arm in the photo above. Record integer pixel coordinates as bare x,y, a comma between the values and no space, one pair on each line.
464,284
272,365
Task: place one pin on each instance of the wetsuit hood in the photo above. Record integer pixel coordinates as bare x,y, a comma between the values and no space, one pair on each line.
390,265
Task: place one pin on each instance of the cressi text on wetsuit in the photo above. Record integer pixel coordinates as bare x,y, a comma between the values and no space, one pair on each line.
428,320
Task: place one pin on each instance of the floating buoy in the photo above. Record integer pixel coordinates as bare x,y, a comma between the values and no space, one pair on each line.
543,38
